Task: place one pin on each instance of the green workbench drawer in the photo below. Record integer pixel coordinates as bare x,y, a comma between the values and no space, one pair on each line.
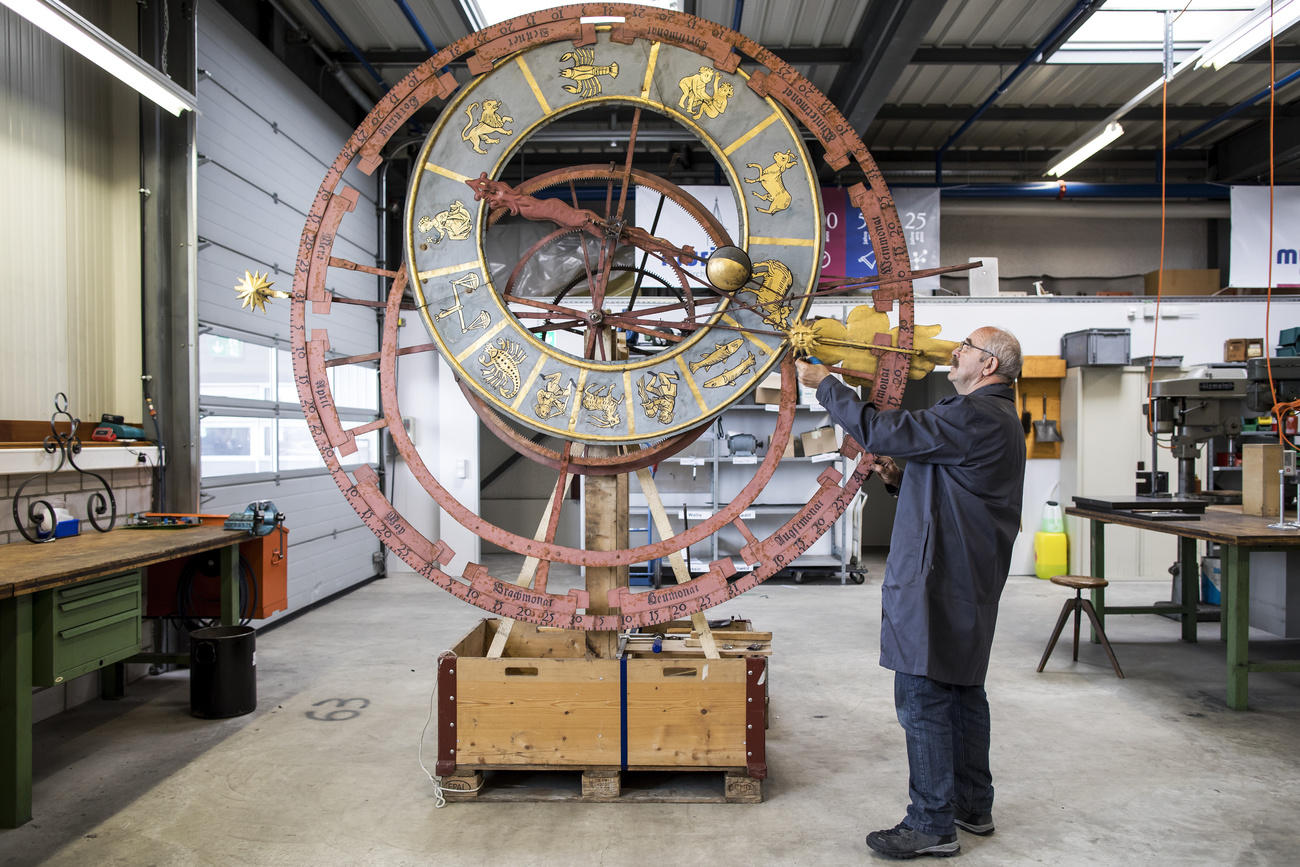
83,627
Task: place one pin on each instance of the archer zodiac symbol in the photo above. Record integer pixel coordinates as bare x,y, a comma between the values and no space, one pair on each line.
551,399
501,366
585,72
490,122
770,295
721,352
603,404
469,282
770,178
729,377
658,395
452,223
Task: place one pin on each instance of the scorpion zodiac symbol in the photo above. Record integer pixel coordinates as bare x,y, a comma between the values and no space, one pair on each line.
501,366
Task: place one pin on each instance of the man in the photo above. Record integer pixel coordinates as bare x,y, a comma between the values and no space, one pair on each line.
958,515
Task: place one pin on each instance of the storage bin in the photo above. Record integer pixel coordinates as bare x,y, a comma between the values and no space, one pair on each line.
1095,347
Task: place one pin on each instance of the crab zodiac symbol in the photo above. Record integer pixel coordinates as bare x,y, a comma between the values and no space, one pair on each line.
585,72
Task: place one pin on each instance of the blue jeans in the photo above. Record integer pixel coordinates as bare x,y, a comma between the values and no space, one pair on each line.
947,728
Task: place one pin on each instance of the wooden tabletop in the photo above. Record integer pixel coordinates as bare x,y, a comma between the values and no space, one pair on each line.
27,567
1223,524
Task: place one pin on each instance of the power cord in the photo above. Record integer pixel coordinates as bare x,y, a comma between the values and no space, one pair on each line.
439,801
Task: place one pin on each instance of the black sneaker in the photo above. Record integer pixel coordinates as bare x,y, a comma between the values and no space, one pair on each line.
976,823
905,842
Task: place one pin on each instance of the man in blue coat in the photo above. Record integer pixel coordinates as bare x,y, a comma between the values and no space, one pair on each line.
958,515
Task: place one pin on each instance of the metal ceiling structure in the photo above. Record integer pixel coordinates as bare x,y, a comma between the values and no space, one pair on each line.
948,90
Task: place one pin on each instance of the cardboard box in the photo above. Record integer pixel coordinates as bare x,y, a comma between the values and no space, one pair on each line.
769,391
1189,281
819,442
793,448
1243,348
1259,465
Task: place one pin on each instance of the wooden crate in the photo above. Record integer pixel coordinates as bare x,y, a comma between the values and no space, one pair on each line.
547,704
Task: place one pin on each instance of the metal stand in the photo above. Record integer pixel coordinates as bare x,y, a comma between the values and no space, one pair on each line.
1282,523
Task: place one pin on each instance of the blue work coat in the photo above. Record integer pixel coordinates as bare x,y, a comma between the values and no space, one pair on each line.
958,515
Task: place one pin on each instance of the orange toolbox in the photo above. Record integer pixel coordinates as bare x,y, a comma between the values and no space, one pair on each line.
266,557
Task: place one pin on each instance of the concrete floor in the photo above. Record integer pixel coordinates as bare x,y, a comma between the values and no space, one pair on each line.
1089,769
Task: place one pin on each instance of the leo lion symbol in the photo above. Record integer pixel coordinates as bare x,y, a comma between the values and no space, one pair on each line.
490,123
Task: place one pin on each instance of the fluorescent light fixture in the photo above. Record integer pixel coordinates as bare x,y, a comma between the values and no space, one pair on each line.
1250,34
1108,134
101,49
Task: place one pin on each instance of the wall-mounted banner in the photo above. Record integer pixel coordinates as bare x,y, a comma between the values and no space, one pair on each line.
1250,251
848,250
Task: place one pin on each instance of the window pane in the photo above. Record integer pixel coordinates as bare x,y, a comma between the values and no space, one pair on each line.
229,445
234,368
367,451
286,388
297,450
356,385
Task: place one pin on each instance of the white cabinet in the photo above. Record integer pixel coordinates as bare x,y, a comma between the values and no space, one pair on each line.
1104,438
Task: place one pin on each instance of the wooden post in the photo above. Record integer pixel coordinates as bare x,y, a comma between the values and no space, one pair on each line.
606,506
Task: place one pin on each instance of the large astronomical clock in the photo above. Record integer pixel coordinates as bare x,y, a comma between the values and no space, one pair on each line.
715,326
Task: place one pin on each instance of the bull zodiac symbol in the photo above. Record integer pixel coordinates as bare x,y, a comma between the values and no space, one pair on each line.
769,177
584,72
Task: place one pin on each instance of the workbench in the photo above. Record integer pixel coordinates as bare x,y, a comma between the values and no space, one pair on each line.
61,603
1240,535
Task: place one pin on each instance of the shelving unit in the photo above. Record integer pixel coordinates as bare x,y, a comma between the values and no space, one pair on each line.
695,484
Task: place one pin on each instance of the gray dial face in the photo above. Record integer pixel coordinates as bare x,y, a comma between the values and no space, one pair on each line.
505,358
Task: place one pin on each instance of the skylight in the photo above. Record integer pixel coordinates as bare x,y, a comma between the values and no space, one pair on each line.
1133,31
484,13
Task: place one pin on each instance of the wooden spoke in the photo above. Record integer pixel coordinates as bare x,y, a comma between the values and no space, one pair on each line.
348,264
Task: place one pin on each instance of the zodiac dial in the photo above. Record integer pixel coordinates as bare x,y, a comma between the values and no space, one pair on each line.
570,315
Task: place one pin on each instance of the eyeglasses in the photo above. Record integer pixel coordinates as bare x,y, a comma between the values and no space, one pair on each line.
966,343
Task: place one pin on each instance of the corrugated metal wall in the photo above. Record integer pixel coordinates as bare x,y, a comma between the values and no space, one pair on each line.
264,142
70,228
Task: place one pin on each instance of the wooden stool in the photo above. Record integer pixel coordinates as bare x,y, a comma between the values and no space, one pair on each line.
1077,604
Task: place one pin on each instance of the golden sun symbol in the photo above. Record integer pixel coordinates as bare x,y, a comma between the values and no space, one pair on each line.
255,290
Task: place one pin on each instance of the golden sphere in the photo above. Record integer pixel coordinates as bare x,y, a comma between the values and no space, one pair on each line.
728,268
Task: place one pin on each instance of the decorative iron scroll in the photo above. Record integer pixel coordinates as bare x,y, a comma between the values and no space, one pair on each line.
68,445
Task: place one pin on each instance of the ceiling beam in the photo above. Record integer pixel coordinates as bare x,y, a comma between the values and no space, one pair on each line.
887,36
1244,155
822,55
1058,114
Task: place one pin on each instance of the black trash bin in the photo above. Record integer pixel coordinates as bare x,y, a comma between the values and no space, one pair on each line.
223,671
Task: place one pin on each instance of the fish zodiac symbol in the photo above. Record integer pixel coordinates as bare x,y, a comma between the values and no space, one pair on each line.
721,352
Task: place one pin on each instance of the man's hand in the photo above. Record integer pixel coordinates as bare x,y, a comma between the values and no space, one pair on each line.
810,375
890,473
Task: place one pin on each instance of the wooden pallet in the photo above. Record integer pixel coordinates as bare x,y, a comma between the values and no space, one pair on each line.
694,786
